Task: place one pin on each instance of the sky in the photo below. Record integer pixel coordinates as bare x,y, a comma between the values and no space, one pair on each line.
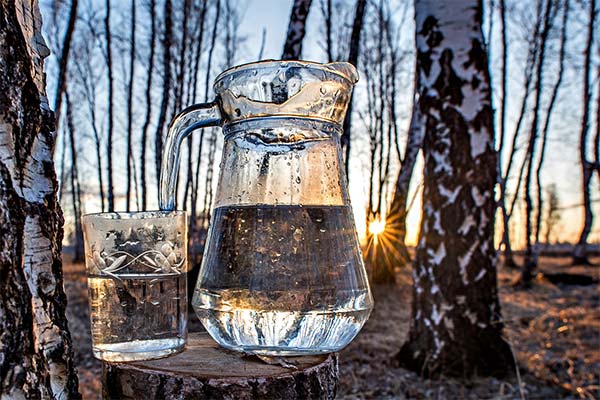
561,165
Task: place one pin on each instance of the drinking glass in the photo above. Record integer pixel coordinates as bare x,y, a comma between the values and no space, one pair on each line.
136,268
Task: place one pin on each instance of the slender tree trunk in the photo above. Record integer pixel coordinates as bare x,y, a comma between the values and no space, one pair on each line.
63,62
190,141
36,356
587,167
544,138
531,251
456,326
148,117
326,11
197,230
166,45
75,188
597,137
292,50
508,254
530,65
130,108
109,137
352,59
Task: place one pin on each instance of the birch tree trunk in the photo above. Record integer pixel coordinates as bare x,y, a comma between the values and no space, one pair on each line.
456,326
587,167
35,344
292,50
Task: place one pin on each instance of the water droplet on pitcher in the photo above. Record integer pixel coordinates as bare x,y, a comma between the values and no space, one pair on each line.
298,180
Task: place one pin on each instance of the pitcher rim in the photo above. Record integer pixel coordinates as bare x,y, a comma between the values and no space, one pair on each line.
299,63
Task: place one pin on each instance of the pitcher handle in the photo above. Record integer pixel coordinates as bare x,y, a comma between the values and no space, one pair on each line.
190,119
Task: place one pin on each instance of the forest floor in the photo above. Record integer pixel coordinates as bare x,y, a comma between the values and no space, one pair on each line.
554,330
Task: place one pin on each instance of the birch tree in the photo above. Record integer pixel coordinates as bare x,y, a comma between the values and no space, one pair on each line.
292,49
456,326
587,166
36,358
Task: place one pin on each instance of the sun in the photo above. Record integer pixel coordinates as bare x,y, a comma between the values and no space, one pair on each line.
376,227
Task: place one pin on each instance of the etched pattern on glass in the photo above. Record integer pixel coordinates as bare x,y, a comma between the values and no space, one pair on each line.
137,264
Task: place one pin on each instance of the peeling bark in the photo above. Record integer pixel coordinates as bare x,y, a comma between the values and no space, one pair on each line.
35,344
456,326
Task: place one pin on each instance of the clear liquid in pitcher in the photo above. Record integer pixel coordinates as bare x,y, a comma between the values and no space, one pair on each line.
282,279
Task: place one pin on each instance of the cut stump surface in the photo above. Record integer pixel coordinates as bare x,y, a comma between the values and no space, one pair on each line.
206,371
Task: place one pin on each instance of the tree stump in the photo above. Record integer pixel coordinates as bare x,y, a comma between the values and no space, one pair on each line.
206,371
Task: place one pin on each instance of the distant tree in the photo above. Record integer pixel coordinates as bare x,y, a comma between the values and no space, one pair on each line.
531,251
148,96
507,206
587,166
552,217
63,62
353,53
109,135
292,49
36,353
130,84
456,325
166,42
78,255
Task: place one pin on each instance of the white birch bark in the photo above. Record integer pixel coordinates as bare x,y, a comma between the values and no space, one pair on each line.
456,326
35,345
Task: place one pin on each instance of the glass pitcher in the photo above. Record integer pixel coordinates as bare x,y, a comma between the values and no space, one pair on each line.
282,272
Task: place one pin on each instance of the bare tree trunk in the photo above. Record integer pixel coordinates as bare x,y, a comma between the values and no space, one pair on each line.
396,217
130,108
36,356
292,50
531,251
78,255
63,62
194,81
166,94
352,59
456,326
109,137
503,179
326,11
597,137
587,167
508,255
544,138
148,117
196,232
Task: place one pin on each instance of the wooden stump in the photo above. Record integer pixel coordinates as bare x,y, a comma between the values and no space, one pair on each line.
206,371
